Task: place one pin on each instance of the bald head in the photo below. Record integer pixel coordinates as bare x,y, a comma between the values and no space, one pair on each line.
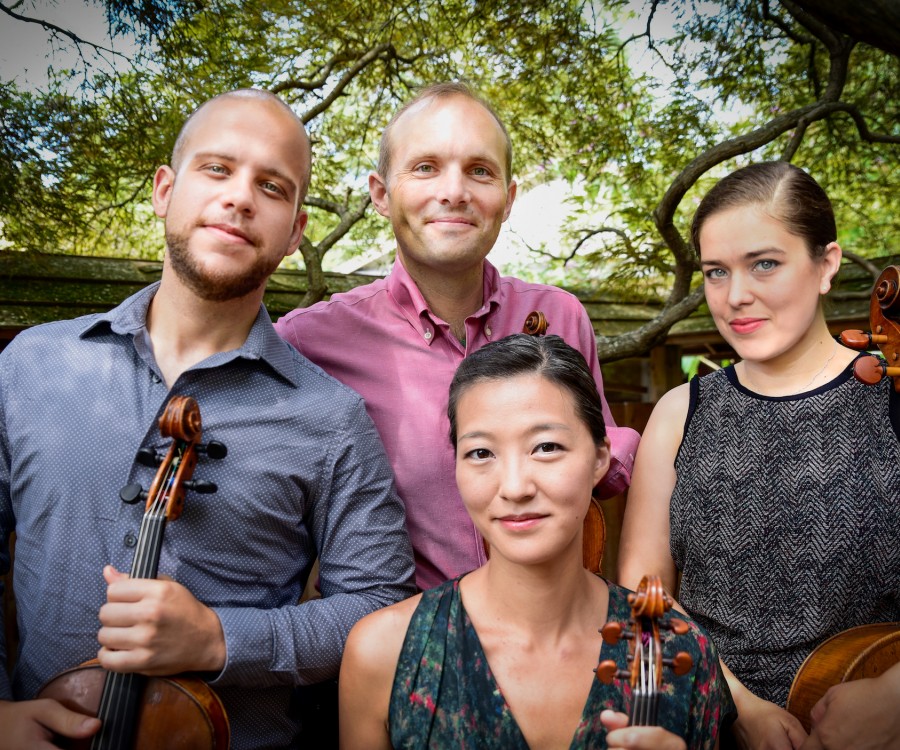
266,98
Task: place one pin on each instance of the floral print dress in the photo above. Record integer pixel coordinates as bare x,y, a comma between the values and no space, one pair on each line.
445,696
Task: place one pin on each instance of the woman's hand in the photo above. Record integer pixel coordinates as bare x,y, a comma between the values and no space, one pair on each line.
762,725
861,714
623,737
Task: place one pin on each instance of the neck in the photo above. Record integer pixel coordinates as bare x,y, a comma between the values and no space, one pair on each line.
810,364
452,297
186,329
544,601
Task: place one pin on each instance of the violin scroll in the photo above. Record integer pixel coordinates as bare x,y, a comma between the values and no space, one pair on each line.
645,654
536,324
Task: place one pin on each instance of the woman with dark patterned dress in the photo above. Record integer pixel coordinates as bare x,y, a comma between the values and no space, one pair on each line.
503,657
773,486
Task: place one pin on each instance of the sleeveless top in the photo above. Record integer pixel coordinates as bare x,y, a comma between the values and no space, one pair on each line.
785,520
445,696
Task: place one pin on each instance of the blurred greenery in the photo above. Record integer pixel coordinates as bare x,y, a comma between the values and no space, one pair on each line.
636,107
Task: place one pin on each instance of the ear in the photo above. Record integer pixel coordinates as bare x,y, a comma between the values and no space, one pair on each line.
830,264
297,232
601,463
379,192
510,197
163,182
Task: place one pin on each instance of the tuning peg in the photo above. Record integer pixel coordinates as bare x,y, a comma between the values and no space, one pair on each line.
679,627
612,632
201,486
149,457
607,670
862,340
131,493
870,370
681,663
214,449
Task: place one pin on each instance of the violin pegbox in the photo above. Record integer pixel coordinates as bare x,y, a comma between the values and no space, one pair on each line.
645,653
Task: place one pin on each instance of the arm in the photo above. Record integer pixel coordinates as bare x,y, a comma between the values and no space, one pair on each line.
365,563
367,676
644,543
862,713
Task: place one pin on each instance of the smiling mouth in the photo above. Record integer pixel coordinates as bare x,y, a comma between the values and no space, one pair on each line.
230,232
521,522
746,325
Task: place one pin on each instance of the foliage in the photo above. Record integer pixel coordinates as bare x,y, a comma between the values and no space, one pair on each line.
637,126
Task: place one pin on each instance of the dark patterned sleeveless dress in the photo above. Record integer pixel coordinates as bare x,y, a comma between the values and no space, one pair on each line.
444,694
785,520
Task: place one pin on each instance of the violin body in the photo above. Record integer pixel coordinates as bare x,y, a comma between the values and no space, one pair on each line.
863,651
183,710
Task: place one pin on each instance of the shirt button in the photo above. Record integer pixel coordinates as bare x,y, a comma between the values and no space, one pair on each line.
155,378
487,331
428,335
130,539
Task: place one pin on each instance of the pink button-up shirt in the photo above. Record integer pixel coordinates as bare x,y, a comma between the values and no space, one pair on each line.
382,341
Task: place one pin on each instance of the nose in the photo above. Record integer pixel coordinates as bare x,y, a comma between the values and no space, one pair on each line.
239,195
516,482
740,290
453,189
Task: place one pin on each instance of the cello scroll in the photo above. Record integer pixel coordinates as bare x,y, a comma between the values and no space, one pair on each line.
884,320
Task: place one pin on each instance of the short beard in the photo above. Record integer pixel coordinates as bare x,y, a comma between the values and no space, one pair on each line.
218,288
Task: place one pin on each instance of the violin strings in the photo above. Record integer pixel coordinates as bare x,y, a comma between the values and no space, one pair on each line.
119,687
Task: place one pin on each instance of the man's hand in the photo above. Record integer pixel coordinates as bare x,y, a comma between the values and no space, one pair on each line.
858,715
157,627
31,725
623,737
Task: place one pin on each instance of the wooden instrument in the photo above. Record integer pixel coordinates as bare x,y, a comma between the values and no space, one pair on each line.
645,653
867,650
864,651
152,712
884,320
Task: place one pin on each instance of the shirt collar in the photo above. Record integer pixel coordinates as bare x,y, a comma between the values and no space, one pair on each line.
406,294
262,342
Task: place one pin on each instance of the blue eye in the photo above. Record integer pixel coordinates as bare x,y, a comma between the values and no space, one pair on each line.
715,273
767,264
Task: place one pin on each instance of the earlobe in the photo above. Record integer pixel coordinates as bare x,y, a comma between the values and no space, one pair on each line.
297,234
831,263
163,182
379,193
510,198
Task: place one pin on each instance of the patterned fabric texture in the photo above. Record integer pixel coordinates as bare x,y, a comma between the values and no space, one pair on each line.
785,520
444,694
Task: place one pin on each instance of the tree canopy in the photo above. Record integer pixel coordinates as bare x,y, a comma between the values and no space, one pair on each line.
639,107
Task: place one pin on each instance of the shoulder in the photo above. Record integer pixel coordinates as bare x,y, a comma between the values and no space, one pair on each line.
375,642
669,415
553,294
361,295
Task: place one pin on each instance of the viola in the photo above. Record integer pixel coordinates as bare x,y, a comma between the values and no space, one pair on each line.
139,711
645,653
866,650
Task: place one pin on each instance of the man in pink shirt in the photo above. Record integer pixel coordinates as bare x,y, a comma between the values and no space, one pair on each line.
444,181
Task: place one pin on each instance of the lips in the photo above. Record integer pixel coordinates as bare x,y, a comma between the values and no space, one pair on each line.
744,326
521,522
230,231
451,221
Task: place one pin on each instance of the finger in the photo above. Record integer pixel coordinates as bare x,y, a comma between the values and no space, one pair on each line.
111,575
795,732
60,720
613,719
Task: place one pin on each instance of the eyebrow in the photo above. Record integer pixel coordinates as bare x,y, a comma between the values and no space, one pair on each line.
270,171
748,256
533,430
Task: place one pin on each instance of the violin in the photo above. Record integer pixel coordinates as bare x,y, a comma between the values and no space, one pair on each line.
137,711
645,653
866,650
